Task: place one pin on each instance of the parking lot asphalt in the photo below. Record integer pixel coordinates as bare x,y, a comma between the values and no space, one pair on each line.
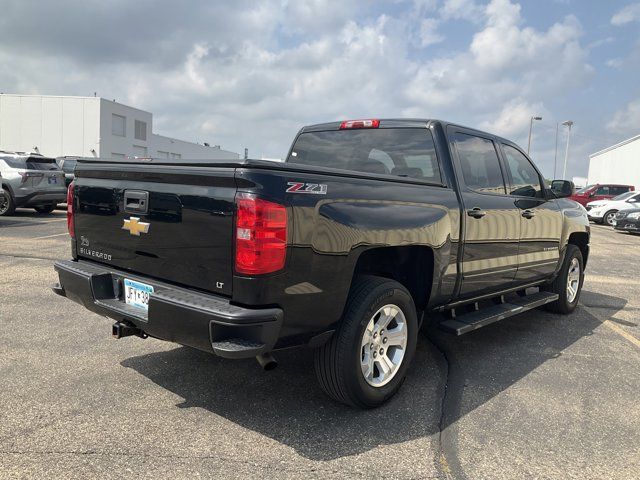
534,396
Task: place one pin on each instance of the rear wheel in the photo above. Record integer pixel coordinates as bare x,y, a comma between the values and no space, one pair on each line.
45,208
608,217
7,206
365,362
568,283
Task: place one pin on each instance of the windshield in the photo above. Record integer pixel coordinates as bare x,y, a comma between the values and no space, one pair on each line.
585,189
623,196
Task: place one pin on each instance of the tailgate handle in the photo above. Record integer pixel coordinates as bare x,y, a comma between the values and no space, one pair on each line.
136,201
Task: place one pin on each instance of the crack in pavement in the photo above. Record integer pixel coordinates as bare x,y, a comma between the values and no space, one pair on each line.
447,461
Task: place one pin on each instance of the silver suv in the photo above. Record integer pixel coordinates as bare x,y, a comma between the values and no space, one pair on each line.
30,180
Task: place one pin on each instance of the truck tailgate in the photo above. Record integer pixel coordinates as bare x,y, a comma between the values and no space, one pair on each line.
169,222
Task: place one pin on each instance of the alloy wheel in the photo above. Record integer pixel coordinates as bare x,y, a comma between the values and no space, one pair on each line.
383,346
4,203
609,218
573,280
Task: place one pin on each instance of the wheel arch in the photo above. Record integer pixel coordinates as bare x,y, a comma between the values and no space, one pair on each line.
581,240
412,266
7,187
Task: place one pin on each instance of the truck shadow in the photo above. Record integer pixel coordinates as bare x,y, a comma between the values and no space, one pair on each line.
288,406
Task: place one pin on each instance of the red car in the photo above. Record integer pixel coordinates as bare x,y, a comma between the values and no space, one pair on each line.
591,193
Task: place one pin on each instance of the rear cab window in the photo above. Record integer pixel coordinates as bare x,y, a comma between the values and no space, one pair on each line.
400,152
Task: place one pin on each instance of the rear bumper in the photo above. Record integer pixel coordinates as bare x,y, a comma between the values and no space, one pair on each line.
206,322
41,198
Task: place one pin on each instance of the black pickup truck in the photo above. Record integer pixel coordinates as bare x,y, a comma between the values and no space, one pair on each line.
369,228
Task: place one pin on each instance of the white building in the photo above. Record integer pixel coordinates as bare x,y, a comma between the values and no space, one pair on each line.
617,164
57,126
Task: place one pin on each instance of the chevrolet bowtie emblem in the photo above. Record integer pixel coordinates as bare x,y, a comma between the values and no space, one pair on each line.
135,226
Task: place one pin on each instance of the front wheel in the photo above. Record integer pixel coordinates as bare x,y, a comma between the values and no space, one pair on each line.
568,283
365,362
609,217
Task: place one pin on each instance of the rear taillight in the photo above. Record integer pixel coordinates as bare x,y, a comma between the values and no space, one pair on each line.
350,124
27,175
70,223
261,235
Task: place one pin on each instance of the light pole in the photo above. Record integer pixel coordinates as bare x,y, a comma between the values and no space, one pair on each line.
530,129
555,155
569,124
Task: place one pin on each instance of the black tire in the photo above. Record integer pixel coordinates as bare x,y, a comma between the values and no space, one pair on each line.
45,208
559,285
337,362
7,205
607,221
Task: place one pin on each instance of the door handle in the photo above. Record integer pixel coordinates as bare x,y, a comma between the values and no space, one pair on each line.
476,212
528,214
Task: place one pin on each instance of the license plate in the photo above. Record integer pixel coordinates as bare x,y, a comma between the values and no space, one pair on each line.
53,180
137,294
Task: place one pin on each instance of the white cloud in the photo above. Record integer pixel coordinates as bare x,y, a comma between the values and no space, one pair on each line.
424,6
461,10
614,62
429,32
505,61
628,14
626,120
514,118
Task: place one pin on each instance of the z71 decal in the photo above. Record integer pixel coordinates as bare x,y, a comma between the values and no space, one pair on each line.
301,187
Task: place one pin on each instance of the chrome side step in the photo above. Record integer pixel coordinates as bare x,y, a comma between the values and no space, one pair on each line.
472,321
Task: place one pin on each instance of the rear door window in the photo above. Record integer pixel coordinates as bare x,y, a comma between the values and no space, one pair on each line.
618,190
402,152
479,164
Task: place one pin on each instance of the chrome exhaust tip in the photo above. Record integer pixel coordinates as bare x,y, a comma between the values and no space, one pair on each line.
266,361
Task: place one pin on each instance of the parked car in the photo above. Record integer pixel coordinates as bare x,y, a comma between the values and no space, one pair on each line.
30,180
67,165
367,229
599,203
607,191
604,211
628,220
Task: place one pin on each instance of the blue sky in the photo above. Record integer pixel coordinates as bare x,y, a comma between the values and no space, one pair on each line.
250,74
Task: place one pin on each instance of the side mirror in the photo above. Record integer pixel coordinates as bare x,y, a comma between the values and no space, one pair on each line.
632,200
562,188
592,194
